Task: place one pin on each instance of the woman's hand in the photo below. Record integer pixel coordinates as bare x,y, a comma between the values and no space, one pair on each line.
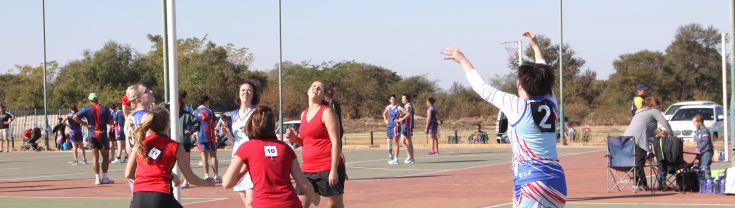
453,54
333,180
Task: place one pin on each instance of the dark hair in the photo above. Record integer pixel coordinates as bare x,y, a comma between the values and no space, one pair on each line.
182,94
392,96
2,106
256,93
202,99
113,106
478,126
261,124
73,107
536,79
431,100
329,92
408,97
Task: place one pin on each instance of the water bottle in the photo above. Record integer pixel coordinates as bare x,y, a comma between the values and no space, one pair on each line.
708,186
722,155
723,181
716,187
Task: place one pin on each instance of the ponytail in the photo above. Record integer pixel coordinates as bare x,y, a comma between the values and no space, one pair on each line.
157,121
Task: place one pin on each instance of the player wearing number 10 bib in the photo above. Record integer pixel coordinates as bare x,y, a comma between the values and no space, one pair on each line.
538,177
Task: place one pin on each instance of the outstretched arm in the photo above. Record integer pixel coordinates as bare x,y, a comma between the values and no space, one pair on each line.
512,105
537,54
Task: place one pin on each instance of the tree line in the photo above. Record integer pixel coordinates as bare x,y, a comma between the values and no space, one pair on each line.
689,69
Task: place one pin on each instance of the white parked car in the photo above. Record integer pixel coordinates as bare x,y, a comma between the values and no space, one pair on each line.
683,127
674,107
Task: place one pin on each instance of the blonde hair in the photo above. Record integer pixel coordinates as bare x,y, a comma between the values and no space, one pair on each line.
156,120
698,118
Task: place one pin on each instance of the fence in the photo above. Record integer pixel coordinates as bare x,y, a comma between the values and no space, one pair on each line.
463,136
29,119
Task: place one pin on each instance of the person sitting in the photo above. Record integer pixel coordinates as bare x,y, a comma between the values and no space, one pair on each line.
478,136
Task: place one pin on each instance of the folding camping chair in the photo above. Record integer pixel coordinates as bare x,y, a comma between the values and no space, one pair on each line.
621,163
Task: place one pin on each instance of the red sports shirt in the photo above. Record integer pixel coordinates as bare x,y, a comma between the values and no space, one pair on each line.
154,175
317,149
269,163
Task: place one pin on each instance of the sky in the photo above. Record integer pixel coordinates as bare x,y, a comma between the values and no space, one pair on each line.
404,36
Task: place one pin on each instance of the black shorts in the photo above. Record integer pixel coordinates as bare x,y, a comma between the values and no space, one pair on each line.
320,182
187,145
153,199
100,144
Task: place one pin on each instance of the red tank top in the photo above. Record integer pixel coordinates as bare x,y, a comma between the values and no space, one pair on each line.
317,149
154,175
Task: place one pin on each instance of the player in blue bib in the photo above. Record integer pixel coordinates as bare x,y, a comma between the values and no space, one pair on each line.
538,177
392,113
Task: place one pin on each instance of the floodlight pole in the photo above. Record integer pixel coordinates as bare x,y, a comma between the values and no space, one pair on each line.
732,70
724,95
45,97
561,73
173,85
164,43
280,72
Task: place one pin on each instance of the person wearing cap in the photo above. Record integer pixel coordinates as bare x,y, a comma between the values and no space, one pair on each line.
97,116
640,96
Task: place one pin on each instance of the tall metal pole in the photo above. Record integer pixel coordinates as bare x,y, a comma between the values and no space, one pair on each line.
732,70
724,94
164,43
280,72
561,73
173,85
45,97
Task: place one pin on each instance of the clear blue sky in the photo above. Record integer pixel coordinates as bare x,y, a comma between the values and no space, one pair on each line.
405,36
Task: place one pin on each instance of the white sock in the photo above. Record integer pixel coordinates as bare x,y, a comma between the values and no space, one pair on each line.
206,175
97,176
104,175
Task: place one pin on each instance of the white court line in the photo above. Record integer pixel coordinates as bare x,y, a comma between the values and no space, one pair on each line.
48,176
27,158
398,169
205,201
447,156
102,198
471,167
9,168
654,204
499,205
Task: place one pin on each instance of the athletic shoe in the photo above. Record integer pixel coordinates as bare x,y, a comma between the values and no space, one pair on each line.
200,163
185,185
217,179
97,182
116,161
431,153
409,160
393,162
106,181
84,163
436,154
74,163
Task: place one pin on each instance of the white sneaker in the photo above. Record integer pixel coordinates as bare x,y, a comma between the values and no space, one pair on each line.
185,185
393,162
74,163
106,181
84,163
217,179
409,160
116,161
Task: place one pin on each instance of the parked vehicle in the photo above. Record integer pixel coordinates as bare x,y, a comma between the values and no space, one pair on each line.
674,107
681,121
295,124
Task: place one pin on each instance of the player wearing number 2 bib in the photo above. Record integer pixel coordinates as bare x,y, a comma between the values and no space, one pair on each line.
538,177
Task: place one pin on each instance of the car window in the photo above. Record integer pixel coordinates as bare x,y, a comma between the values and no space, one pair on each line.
689,113
718,110
672,109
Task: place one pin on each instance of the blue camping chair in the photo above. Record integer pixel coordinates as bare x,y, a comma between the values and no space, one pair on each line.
620,163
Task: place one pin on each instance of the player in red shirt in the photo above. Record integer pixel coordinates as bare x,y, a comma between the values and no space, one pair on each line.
322,148
270,162
155,155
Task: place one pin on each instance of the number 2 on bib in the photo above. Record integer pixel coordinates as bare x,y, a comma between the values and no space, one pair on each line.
543,116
